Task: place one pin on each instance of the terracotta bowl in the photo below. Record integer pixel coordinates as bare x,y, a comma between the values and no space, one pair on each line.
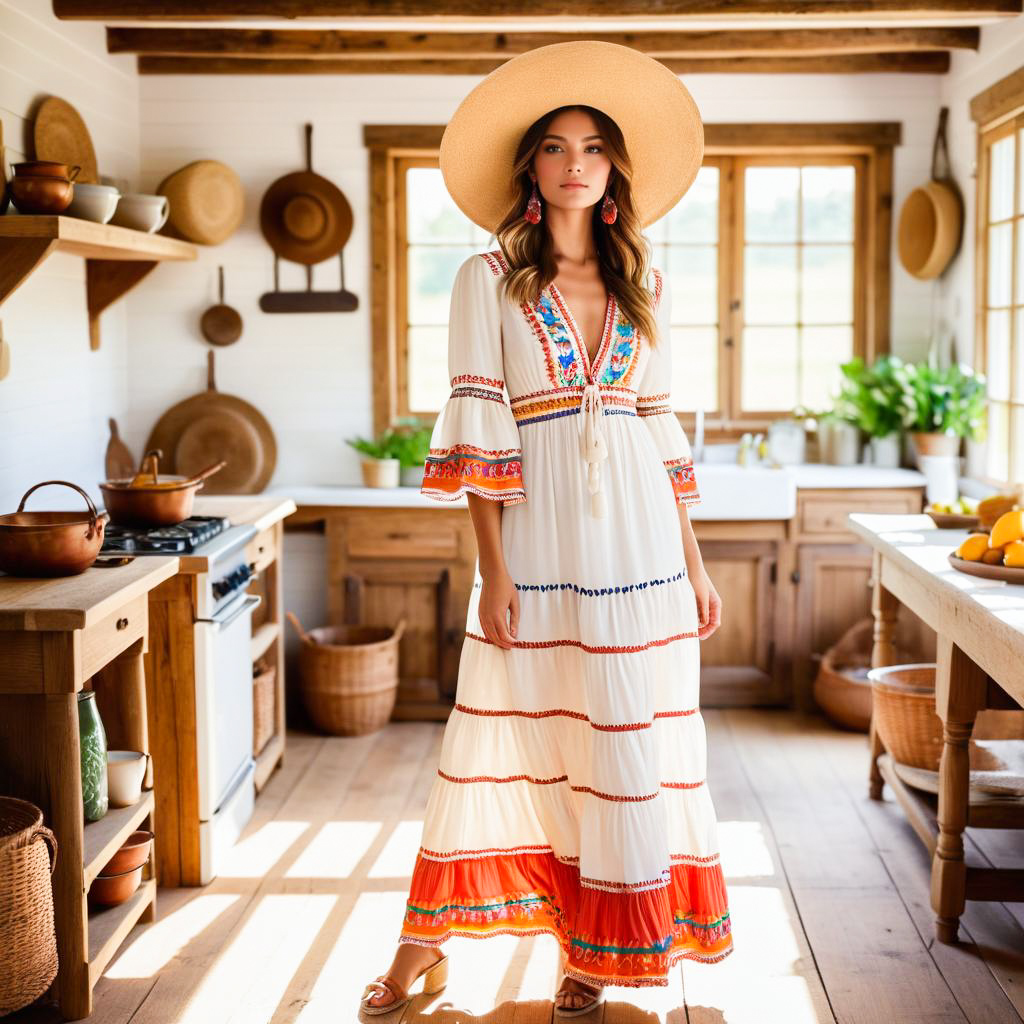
133,853
40,193
110,890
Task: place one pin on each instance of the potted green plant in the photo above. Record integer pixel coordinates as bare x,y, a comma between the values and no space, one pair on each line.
872,397
401,446
941,406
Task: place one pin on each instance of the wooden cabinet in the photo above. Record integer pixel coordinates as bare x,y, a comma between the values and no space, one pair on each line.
58,637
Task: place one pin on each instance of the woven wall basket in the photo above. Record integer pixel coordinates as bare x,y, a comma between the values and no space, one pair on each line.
28,852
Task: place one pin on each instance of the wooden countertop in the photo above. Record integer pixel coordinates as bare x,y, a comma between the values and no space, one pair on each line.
984,618
260,510
74,602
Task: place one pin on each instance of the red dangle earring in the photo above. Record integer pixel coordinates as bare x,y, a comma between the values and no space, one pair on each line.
533,207
609,211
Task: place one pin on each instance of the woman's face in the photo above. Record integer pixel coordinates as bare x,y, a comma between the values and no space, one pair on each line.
571,165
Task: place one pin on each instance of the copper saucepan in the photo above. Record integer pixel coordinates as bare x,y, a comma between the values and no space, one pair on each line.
50,543
151,498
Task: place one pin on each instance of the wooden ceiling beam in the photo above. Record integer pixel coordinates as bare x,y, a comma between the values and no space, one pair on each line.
431,10
316,44
886,63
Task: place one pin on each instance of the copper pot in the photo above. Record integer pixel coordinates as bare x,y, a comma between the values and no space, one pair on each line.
45,168
50,543
151,498
41,193
110,890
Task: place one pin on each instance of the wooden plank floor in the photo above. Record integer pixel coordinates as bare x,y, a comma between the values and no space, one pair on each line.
828,896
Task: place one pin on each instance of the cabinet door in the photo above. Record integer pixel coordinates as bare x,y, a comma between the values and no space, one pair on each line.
737,660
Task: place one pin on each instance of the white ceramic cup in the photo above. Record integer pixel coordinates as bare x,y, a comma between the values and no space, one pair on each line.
125,771
142,212
93,202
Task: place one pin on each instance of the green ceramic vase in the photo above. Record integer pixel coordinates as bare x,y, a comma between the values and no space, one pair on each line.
93,741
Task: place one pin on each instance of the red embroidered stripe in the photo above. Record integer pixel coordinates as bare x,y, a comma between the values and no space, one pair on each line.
565,713
682,785
495,259
491,851
613,796
507,778
589,648
462,780
472,378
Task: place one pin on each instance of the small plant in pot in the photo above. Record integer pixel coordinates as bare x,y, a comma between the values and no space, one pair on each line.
941,406
397,448
410,444
872,397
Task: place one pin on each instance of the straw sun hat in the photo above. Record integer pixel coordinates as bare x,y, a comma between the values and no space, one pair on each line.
657,115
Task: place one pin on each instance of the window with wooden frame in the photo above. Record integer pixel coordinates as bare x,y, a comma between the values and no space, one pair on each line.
777,258
999,273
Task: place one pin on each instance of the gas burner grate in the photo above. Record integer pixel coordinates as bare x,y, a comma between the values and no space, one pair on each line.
182,538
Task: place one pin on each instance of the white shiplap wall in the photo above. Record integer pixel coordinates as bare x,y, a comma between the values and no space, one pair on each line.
55,403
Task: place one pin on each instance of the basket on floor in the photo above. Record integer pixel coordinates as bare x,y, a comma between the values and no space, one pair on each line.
348,676
28,852
903,705
264,703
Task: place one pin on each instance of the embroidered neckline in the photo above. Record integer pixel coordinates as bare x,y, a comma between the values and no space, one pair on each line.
591,370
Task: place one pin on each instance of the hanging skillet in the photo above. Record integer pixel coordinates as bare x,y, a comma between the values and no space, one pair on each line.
305,217
221,324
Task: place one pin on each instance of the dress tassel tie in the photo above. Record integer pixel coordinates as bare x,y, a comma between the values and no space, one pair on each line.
593,446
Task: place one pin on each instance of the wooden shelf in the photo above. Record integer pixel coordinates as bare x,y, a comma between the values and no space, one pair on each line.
109,927
266,760
103,838
116,258
264,636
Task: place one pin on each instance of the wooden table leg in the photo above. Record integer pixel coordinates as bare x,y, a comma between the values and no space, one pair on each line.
959,694
884,607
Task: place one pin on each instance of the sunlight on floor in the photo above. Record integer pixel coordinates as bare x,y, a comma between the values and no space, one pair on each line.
399,853
758,983
158,944
256,854
745,853
335,850
252,973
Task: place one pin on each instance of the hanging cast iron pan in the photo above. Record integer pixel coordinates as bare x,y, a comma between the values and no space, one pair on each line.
211,426
221,324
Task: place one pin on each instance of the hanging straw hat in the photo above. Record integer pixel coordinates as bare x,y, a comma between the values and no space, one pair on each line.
207,202
657,115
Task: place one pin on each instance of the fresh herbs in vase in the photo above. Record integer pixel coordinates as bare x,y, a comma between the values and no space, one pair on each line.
871,397
941,406
396,455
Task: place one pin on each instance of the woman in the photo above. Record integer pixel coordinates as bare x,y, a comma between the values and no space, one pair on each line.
571,796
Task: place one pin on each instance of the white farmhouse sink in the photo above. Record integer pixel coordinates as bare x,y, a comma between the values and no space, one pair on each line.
731,491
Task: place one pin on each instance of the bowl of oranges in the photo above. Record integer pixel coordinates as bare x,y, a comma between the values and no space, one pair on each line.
995,550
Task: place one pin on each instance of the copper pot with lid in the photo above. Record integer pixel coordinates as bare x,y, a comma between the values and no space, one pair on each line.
51,543
151,498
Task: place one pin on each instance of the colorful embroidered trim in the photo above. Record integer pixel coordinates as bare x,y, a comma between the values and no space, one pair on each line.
468,391
623,588
566,402
472,378
562,713
614,797
592,648
495,259
492,473
611,935
449,855
684,483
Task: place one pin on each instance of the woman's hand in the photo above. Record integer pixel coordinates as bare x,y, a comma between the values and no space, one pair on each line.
498,596
709,604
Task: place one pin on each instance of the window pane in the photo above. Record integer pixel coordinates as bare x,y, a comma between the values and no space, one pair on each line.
695,217
431,214
997,345
828,204
1016,445
998,431
769,284
769,367
1000,242
1020,254
428,367
770,203
822,349
695,369
826,292
693,274
1000,200
431,276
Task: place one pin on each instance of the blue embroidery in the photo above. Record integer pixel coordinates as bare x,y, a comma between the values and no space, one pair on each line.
569,368
621,354
594,591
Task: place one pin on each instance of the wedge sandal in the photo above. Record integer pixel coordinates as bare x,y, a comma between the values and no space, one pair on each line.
435,977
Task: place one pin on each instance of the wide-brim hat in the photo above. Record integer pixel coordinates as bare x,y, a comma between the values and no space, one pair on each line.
658,117
207,202
305,217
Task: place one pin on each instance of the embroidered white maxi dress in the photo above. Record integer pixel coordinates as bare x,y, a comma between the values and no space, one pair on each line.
571,796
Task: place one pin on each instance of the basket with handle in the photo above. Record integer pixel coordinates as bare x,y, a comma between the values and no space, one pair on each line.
903,703
348,675
28,853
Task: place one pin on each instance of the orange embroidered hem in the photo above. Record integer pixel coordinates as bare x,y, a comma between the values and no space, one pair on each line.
611,933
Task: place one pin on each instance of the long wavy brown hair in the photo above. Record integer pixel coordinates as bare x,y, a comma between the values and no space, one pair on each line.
623,250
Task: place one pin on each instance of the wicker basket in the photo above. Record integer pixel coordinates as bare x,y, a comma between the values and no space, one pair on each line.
264,704
28,852
348,676
904,709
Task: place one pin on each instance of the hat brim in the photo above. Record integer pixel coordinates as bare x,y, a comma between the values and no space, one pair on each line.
658,117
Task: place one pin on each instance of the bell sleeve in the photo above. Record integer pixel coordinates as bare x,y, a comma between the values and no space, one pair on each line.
654,406
475,445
